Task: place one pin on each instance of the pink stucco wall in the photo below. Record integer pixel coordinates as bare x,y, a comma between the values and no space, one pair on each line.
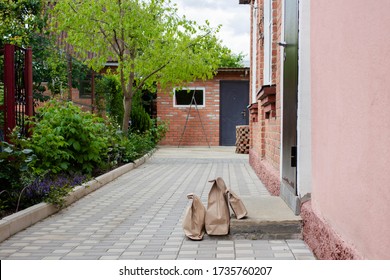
350,60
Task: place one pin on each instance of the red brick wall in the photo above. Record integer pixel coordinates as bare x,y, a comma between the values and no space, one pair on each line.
209,115
84,103
266,131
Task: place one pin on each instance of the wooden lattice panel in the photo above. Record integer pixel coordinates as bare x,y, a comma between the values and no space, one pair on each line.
242,139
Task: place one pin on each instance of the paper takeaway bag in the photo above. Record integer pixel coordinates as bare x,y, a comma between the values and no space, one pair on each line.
194,219
236,204
217,214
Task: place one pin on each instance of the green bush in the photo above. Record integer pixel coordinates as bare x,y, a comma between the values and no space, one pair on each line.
65,139
109,93
142,144
128,149
14,163
108,90
158,130
65,144
140,120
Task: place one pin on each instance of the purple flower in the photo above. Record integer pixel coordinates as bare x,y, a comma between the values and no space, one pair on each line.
41,187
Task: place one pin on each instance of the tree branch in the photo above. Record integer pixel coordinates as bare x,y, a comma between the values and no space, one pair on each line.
106,38
152,73
141,84
120,50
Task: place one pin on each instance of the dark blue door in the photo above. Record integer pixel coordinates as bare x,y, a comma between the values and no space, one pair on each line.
234,99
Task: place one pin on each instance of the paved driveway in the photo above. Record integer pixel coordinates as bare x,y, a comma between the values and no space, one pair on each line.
139,215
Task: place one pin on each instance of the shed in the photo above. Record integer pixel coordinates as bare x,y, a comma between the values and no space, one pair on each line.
206,113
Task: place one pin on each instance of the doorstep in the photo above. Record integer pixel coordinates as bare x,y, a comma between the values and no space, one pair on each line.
268,217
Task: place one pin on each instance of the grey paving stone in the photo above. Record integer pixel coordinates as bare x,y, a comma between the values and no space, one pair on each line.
166,257
304,257
140,214
226,256
132,254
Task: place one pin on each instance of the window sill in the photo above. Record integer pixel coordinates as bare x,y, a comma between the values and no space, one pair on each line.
267,97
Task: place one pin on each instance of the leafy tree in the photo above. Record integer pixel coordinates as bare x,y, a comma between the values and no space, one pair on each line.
20,19
229,59
24,23
147,38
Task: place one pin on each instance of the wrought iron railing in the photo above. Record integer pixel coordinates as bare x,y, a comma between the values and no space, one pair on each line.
17,88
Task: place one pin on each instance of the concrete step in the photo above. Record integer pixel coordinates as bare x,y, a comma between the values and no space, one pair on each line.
268,218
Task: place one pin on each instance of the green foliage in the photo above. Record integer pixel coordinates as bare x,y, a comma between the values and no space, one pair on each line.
158,130
229,59
140,119
127,150
141,143
20,20
25,24
150,42
66,139
50,66
14,163
108,90
135,145
57,195
64,142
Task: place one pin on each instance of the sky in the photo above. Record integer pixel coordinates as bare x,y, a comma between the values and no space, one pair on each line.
234,18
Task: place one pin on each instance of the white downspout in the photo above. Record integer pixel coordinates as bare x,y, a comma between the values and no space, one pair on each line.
254,54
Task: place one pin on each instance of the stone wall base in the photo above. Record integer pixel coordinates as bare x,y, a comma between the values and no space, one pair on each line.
321,238
265,172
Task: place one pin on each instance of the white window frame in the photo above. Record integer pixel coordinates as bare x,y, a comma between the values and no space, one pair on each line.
189,88
267,25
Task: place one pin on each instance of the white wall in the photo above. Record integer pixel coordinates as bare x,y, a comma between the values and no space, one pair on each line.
304,101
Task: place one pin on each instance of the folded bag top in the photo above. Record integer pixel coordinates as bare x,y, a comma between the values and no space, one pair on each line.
236,204
217,221
194,219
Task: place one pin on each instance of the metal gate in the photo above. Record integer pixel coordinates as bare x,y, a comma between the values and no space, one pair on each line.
16,89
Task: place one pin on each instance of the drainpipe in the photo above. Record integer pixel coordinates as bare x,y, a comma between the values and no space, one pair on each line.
254,54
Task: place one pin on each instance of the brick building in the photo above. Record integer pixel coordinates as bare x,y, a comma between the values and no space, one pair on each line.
319,119
280,126
265,108
221,104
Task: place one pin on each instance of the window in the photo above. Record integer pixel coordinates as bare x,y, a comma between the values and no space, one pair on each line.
189,96
85,86
85,89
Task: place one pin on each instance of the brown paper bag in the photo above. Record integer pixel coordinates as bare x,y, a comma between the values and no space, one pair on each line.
236,204
217,215
194,219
